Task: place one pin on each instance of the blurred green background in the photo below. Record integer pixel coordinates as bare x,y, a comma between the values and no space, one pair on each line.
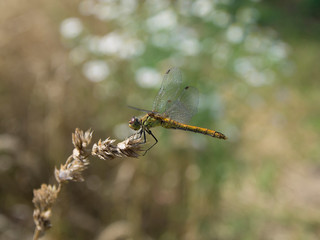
68,64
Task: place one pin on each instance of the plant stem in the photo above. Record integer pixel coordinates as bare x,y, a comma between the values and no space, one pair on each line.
36,234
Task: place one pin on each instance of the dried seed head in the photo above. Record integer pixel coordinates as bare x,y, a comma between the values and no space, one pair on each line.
43,200
42,219
107,150
81,140
78,161
131,146
45,197
71,171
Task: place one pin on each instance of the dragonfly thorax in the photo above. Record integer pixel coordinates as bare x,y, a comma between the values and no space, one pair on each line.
135,123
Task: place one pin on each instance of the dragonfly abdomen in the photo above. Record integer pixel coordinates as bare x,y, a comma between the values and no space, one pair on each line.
168,123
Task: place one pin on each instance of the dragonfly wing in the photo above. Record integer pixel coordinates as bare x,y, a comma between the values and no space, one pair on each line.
139,109
169,90
185,106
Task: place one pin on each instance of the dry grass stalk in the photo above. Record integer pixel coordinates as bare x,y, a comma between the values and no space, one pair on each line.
78,162
107,150
43,200
72,170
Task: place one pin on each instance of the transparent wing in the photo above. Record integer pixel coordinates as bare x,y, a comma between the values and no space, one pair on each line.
185,106
169,90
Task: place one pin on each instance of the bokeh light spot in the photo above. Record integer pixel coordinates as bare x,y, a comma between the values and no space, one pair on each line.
148,77
71,28
234,34
96,70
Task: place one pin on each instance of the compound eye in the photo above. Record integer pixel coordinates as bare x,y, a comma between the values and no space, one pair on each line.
134,123
132,120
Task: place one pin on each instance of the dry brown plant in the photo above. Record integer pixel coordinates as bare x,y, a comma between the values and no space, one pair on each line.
45,197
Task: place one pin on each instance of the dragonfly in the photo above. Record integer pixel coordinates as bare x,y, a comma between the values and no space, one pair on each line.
173,108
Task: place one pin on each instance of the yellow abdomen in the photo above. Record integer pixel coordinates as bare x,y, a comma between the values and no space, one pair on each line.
168,123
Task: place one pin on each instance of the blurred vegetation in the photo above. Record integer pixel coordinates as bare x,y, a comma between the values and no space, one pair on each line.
68,64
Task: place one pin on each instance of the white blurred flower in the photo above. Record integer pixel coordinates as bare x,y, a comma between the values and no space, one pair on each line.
243,66
234,34
71,28
96,70
247,71
201,8
220,18
255,78
278,51
114,10
165,20
120,45
148,77
131,48
189,46
111,43
184,38
156,5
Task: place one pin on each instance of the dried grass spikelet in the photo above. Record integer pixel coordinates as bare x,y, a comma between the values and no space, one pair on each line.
81,141
71,171
43,199
107,150
75,165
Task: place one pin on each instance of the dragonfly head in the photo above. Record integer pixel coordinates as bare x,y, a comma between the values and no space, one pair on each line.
135,123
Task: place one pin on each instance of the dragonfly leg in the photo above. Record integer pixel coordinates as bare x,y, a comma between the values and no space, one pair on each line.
142,131
149,132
